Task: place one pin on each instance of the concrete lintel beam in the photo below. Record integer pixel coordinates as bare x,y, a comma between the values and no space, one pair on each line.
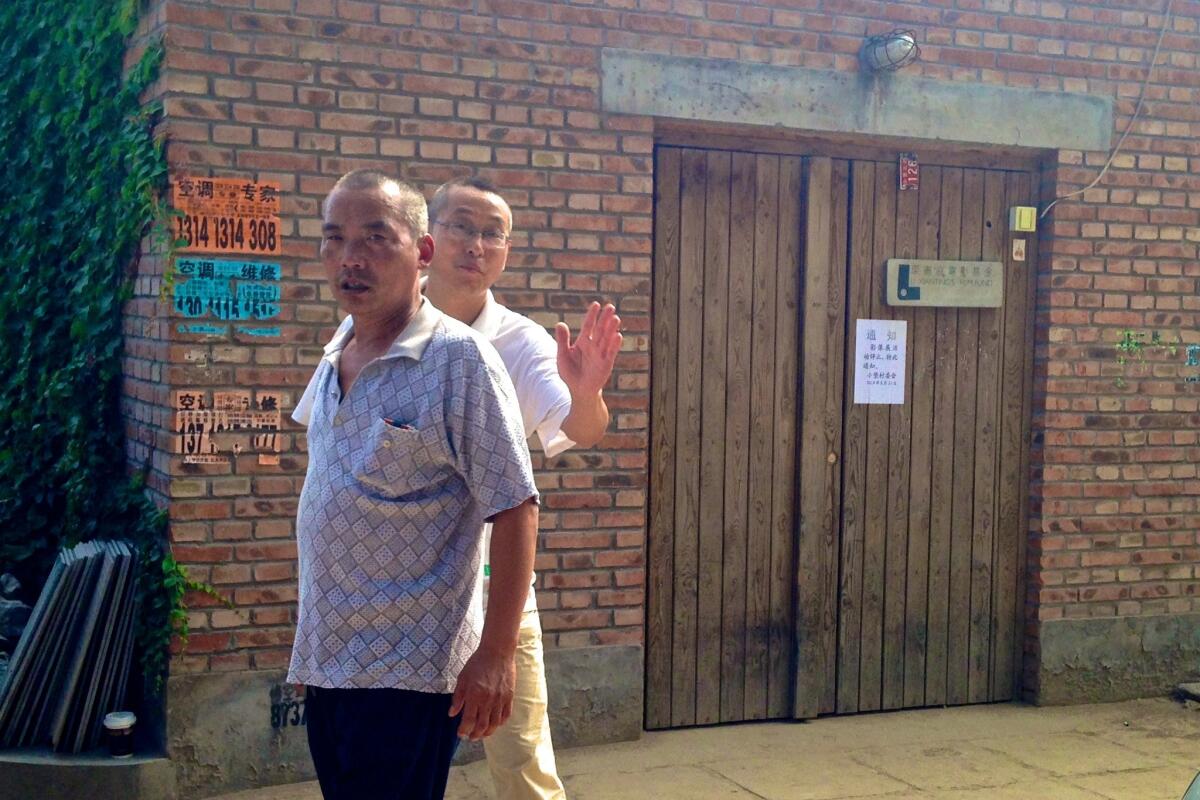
717,90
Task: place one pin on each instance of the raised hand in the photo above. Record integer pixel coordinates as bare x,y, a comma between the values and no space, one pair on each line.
586,364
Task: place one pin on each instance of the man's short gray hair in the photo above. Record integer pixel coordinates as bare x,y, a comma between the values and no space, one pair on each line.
405,200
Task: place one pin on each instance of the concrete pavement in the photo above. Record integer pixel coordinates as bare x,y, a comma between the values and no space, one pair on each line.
1137,750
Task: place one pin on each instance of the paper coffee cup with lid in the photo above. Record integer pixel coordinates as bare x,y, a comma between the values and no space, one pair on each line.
118,729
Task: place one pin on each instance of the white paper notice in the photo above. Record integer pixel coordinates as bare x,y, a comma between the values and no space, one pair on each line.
879,359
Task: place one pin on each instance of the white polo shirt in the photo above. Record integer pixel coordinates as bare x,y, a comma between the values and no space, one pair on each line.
530,355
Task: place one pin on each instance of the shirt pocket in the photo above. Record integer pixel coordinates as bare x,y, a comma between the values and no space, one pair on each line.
400,460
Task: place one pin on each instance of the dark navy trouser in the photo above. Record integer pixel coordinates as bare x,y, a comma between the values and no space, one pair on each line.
380,744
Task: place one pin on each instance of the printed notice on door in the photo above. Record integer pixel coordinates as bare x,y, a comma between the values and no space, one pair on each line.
879,358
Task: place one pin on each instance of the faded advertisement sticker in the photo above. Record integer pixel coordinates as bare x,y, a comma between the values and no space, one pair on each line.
203,329
228,290
242,329
227,215
231,425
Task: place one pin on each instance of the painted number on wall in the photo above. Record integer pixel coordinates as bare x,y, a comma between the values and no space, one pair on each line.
287,707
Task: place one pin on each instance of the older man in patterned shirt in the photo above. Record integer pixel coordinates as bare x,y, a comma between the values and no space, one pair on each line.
414,442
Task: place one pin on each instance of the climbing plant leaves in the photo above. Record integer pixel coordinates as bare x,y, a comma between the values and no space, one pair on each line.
84,175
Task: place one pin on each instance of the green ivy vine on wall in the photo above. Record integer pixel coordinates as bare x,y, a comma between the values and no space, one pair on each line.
1133,345
85,176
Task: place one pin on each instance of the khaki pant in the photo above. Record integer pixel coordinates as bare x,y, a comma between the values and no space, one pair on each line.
520,754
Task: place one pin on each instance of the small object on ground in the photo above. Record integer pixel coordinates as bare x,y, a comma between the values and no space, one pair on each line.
118,729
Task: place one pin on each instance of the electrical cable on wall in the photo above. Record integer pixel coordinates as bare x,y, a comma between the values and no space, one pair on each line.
1136,113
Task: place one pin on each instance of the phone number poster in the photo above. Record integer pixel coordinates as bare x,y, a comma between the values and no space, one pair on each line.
228,290
227,215
230,426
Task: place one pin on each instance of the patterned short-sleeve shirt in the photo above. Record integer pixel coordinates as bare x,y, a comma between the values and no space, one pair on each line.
403,471
530,357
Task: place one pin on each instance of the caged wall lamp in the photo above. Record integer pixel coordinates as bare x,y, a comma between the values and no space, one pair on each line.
888,52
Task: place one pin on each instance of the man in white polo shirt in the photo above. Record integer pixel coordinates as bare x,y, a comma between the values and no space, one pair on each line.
560,391
414,442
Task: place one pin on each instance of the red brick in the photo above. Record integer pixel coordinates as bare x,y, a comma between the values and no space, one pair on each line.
230,573
274,572
265,637
437,85
205,643
272,616
264,595
574,620
192,61
229,662
576,580
267,552
271,659
616,636
273,70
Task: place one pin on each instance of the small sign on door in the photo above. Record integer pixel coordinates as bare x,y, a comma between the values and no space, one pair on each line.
910,172
967,284
880,351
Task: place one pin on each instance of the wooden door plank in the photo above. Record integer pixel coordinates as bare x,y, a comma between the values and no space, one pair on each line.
762,435
693,180
1026,188
737,438
870,694
942,473
783,534
986,412
898,488
816,565
713,384
963,493
963,502
1014,443
921,345
661,526
835,309
854,460
1008,499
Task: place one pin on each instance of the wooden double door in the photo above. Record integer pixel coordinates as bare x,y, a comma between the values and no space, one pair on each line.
808,555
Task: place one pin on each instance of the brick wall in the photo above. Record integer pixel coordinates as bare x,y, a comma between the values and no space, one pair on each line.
146,389
299,91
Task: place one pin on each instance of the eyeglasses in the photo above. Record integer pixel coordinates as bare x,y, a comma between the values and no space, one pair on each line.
465,232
